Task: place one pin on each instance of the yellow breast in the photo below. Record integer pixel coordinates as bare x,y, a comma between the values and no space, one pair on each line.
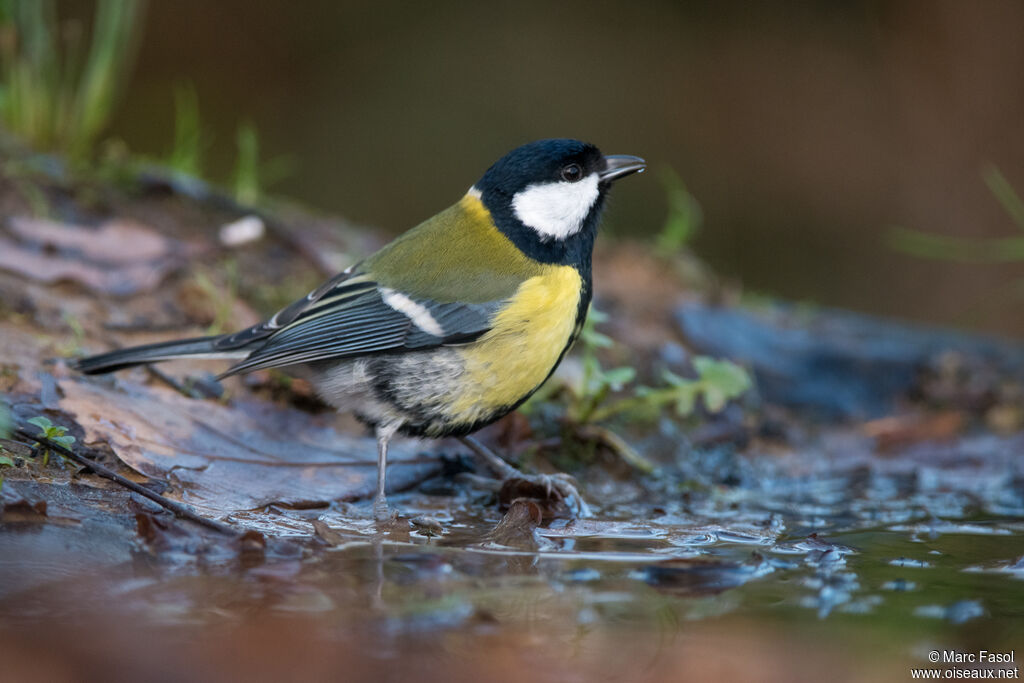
527,338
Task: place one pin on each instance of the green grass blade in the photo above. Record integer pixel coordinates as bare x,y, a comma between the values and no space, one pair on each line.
111,50
246,179
187,154
1004,192
956,249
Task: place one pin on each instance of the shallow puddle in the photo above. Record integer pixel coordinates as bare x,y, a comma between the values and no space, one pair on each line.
857,575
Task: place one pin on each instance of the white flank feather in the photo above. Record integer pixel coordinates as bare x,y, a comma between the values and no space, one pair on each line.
418,313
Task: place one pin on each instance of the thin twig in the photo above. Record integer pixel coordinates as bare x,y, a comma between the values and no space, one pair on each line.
616,444
170,381
177,508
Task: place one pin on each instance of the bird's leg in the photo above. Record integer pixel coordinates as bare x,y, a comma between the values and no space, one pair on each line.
381,513
490,458
560,485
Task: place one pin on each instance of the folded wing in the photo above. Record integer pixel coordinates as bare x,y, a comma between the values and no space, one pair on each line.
353,315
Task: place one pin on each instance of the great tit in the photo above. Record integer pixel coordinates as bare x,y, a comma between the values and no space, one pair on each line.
454,323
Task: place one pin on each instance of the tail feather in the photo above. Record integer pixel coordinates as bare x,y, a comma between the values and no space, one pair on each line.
200,347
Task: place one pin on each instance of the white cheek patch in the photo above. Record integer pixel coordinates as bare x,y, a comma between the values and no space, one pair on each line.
556,210
416,312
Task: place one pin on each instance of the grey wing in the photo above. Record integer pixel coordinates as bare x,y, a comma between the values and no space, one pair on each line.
357,316
348,283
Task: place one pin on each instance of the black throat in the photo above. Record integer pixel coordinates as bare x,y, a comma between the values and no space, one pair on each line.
575,250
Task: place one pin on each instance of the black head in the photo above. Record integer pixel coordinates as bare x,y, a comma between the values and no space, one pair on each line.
547,196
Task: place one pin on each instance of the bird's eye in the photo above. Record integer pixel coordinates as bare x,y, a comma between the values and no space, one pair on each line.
572,173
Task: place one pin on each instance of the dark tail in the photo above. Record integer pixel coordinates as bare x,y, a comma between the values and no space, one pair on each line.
201,347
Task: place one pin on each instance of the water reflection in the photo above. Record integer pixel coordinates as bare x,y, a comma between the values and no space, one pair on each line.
866,549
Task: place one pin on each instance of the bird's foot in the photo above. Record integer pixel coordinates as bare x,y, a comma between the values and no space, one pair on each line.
549,489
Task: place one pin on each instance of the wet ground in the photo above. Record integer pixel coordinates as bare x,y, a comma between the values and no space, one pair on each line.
766,544
849,575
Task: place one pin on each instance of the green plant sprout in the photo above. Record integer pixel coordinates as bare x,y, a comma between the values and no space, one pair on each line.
190,140
246,177
5,422
72,346
6,460
590,400
56,92
55,433
222,296
684,215
717,383
964,249
251,176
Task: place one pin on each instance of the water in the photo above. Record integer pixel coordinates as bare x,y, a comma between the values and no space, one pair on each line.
857,573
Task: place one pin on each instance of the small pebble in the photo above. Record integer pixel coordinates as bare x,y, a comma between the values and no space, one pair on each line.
427,525
244,230
907,562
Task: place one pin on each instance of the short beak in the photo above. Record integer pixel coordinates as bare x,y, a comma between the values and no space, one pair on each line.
619,165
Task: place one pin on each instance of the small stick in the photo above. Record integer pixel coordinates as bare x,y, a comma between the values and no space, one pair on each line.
177,508
169,381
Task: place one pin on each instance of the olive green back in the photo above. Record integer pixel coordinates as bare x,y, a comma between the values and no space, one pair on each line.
458,255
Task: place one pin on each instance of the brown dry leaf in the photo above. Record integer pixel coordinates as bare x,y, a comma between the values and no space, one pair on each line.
898,431
252,548
162,533
24,511
1005,418
552,494
231,458
517,528
697,576
119,257
326,533
113,242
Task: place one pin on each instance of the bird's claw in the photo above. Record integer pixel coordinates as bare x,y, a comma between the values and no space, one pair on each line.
545,488
548,488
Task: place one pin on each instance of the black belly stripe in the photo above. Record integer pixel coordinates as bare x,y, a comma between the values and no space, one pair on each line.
425,423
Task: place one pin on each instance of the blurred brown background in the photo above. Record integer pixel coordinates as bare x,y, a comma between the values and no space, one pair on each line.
805,130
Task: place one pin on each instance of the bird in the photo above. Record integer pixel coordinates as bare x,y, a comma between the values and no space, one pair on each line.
454,323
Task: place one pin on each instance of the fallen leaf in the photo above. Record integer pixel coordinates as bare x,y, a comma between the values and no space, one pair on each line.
547,495
118,258
252,548
252,540
891,433
113,242
516,529
697,576
24,511
229,458
326,533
